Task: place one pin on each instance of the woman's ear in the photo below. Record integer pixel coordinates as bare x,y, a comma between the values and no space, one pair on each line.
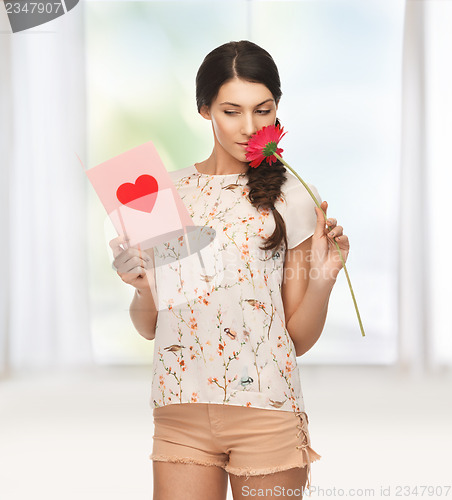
204,112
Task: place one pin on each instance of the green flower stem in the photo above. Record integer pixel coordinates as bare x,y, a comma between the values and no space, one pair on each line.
335,242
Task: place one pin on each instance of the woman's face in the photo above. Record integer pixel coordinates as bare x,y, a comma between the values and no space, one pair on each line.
240,109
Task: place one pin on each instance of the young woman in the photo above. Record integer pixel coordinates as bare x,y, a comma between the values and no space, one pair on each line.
226,392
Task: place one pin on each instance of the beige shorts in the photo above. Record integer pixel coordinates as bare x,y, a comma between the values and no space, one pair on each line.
245,441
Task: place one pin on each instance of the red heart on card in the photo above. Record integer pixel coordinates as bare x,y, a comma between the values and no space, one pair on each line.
141,195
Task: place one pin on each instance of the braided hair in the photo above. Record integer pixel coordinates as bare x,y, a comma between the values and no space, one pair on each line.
265,188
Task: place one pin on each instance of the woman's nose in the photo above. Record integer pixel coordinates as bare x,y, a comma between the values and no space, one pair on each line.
249,126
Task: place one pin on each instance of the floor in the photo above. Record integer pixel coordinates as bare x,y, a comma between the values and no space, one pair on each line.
86,434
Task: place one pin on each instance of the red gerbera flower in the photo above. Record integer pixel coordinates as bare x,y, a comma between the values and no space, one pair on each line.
264,144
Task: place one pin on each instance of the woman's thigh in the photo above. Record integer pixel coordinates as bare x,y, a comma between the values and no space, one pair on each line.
173,480
284,484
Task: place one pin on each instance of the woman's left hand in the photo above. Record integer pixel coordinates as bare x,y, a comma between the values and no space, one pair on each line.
325,257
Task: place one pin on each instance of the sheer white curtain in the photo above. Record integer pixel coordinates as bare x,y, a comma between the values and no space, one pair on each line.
44,292
438,155
425,338
6,156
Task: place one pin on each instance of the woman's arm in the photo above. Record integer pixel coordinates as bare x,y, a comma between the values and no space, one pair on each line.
305,300
143,313
313,268
306,323
137,268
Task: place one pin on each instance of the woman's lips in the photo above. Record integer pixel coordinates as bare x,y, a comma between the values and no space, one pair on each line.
244,145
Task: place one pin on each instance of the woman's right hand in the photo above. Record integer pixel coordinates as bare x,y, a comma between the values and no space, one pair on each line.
131,264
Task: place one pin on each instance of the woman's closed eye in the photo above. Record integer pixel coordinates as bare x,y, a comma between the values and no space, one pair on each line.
259,111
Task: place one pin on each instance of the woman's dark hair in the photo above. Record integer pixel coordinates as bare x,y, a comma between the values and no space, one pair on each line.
247,61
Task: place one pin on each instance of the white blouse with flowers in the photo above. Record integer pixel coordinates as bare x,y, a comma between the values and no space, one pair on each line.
220,334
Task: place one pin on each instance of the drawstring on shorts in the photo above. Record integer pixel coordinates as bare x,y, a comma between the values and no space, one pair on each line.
303,429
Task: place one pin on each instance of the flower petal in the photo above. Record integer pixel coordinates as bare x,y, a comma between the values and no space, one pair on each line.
263,144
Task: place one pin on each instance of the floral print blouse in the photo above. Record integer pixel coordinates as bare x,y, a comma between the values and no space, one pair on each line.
220,334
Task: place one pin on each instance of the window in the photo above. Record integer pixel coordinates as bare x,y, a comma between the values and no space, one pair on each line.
340,66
